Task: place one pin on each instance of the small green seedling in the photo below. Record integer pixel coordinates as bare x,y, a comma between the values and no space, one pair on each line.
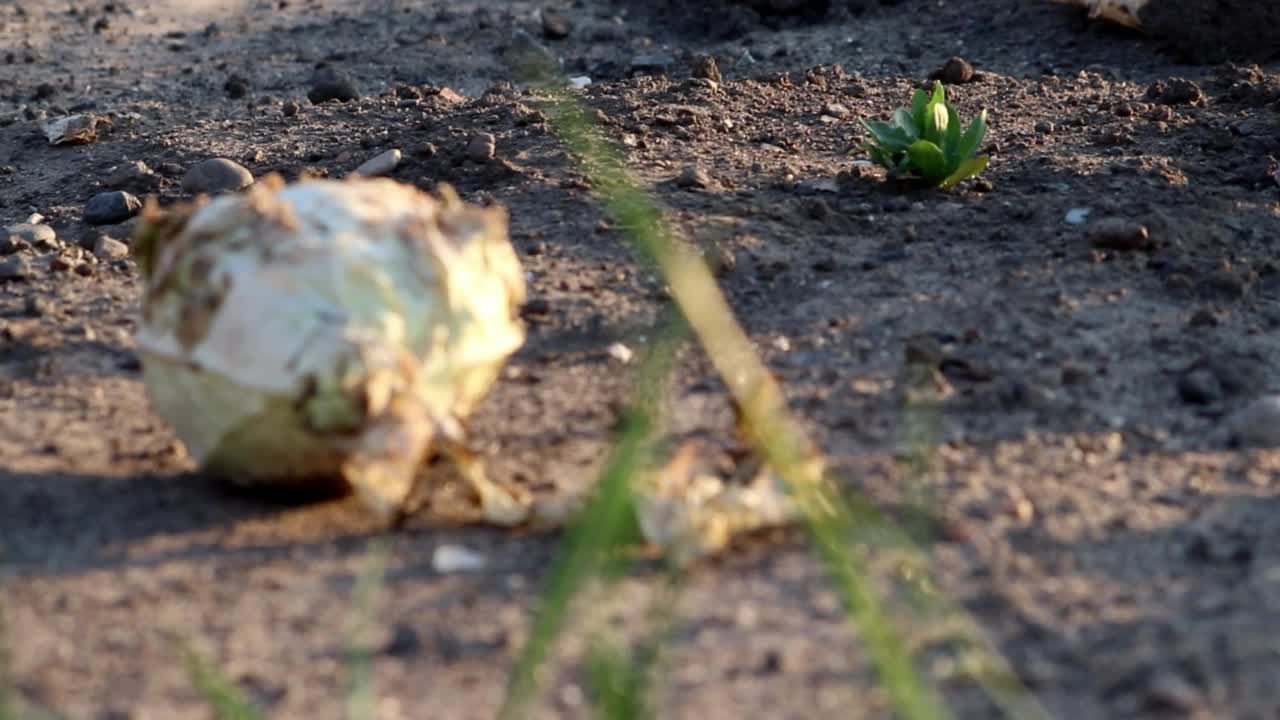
926,143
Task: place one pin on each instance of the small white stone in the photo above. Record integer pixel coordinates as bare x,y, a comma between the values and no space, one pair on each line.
782,343
579,81
621,353
108,248
456,559
378,165
1077,216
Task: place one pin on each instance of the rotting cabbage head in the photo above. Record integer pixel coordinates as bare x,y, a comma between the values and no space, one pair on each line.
326,332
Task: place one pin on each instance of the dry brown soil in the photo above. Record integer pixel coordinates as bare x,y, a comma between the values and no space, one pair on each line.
1098,520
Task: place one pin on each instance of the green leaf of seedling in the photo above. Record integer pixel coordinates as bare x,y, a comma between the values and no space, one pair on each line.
919,102
903,120
889,137
880,157
928,159
939,93
972,137
969,168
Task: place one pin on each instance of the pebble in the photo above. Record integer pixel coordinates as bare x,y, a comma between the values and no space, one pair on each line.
481,148
693,177
290,108
381,164
554,25
621,353
30,233
835,110
109,248
331,84
455,559
109,208
14,269
1170,691
135,175
1077,216
955,71
1119,234
579,82
451,96
216,175
1257,425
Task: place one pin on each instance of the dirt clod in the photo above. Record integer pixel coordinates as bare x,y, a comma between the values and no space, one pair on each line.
554,25
1119,234
329,84
481,147
1176,91
955,71
1078,412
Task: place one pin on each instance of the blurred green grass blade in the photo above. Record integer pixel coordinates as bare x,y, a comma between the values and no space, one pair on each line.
624,680
8,703
602,524
712,320
912,697
617,683
772,431
222,695
361,689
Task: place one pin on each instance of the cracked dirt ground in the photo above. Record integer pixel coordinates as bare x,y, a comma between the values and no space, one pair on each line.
1097,519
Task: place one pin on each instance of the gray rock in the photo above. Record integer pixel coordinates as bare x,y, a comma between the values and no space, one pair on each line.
330,84
1257,425
835,110
109,208
216,175
109,248
14,269
693,177
135,176
32,234
481,148
381,164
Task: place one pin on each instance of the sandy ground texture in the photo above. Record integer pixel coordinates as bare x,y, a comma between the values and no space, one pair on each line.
1100,312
